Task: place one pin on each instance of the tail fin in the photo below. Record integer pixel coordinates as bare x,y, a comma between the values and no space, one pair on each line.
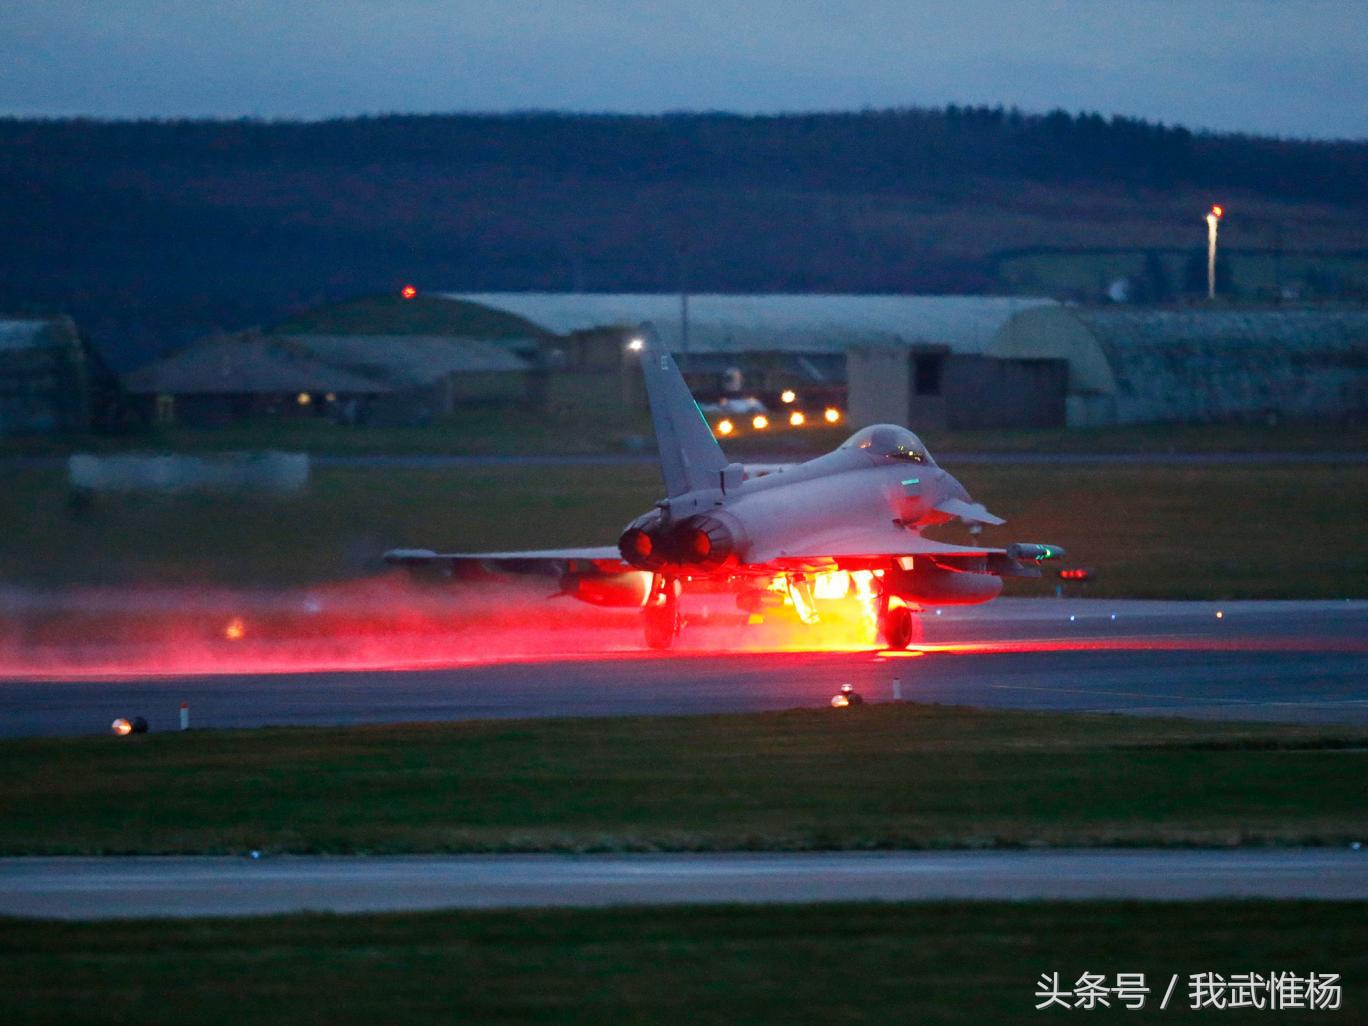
690,458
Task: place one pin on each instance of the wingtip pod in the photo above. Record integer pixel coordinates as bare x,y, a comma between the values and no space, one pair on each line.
1034,551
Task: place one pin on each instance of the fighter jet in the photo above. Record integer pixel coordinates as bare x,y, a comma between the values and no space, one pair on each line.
813,537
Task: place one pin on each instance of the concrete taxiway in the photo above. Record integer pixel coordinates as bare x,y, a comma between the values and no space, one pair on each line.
102,888
1278,661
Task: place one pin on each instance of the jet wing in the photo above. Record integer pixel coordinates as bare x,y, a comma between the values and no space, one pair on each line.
827,547
863,547
549,562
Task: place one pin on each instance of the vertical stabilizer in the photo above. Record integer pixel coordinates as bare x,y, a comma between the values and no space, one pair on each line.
690,458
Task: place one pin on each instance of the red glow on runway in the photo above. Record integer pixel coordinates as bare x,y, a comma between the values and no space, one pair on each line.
390,624
1156,643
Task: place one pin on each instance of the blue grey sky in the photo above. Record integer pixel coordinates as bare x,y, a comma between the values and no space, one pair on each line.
1287,67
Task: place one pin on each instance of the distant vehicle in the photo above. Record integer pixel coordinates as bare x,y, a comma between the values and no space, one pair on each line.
844,526
734,405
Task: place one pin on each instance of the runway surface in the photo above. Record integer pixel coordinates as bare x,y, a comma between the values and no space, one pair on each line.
101,888
1288,661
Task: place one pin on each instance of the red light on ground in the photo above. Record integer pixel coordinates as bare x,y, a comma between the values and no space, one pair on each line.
1075,574
236,629
408,292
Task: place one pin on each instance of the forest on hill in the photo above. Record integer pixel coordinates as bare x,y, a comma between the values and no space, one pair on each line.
152,232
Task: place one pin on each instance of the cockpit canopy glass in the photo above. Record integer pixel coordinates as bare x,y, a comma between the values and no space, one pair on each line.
891,442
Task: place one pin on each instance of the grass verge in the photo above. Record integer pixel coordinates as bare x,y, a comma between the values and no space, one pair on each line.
872,777
934,963
614,428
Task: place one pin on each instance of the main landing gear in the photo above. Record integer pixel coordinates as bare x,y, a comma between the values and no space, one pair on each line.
895,624
661,615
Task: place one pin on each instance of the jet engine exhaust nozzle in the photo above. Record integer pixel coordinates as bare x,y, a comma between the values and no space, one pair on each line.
697,544
703,543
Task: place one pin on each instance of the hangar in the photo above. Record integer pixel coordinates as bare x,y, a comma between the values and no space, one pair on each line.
828,343
1197,365
390,379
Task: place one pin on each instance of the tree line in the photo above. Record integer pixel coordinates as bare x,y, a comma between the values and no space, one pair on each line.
151,231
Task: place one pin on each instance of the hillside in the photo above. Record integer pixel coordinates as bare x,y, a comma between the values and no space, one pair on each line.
152,232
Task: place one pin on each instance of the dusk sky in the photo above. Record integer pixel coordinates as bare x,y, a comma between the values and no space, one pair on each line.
1287,67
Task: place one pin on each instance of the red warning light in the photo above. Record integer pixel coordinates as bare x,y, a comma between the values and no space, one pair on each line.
1075,574
408,292
1217,211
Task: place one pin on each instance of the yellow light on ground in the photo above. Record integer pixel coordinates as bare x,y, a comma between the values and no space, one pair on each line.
304,399
797,419
832,415
725,427
759,422
236,630
788,395
121,727
839,701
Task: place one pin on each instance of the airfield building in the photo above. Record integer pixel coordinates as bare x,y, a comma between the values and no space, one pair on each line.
376,379
1197,365
44,377
908,359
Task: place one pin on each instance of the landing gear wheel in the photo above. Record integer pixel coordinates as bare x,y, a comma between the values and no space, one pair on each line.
661,616
662,624
897,627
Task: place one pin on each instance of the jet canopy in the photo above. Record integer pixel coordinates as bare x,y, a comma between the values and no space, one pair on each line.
888,441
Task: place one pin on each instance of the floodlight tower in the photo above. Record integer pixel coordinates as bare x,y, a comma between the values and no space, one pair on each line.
1213,219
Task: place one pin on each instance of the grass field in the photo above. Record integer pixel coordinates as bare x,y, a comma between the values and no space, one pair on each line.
1212,532
616,429
945,963
883,776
